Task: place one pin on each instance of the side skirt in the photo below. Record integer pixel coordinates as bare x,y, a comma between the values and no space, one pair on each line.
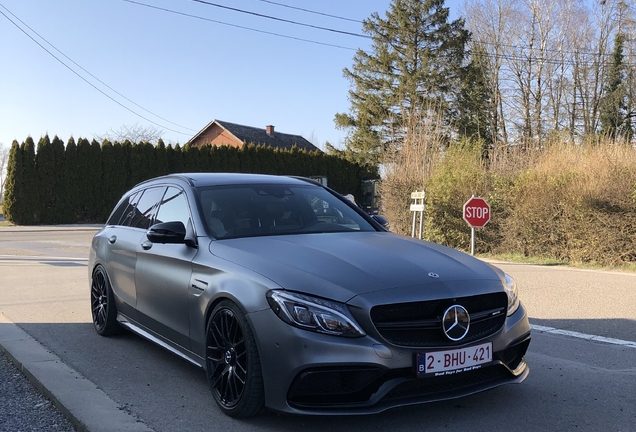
136,328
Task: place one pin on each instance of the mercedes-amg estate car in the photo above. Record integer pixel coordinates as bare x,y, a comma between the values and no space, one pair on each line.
293,299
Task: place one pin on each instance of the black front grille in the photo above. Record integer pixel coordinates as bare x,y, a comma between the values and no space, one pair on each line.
419,324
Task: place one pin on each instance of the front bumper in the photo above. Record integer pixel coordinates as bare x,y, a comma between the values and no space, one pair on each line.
312,373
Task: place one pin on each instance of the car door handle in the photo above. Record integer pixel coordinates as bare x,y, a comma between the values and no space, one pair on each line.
112,239
146,245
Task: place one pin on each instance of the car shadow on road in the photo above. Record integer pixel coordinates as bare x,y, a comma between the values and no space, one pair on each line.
168,393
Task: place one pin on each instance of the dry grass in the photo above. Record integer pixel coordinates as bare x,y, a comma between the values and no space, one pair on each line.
574,203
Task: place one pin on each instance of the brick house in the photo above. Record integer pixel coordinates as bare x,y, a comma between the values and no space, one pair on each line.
219,133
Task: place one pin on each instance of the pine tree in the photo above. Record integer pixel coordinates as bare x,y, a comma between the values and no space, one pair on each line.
161,158
474,111
245,159
13,191
614,119
204,158
412,68
190,158
177,160
110,194
45,165
30,183
72,183
84,186
96,201
59,189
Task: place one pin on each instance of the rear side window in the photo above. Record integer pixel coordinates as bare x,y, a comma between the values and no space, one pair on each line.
144,212
123,209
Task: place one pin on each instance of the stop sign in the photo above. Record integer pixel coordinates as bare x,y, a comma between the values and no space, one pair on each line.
476,212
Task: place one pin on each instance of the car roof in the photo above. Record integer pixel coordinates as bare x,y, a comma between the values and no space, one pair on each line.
220,179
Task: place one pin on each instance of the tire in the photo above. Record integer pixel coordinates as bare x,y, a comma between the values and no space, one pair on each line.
232,362
103,307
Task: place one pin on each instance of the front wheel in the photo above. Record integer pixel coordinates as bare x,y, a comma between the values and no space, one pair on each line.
103,306
233,365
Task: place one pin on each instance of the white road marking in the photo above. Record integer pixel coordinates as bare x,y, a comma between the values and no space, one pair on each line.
585,336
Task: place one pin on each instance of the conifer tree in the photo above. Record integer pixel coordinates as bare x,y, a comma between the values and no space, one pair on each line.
412,67
84,185
233,162
45,164
614,119
110,194
204,158
245,159
13,191
475,111
177,160
72,183
190,158
59,189
161,158
120,171
30,183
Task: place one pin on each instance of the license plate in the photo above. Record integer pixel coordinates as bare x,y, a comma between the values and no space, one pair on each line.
451,362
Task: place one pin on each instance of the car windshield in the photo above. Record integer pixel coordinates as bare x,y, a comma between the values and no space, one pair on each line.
274,209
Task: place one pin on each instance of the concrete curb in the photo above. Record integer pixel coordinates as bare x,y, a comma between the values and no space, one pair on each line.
87,407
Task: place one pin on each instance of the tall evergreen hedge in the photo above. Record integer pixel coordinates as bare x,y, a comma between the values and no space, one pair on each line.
83,182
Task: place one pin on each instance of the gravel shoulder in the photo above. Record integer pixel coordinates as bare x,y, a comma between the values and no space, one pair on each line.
22,407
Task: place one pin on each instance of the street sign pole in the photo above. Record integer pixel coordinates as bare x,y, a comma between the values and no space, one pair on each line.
418,207
476,214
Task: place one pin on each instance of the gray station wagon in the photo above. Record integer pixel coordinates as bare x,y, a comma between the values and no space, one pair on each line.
291,298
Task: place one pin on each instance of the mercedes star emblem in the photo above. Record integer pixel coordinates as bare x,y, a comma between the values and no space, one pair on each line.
456,322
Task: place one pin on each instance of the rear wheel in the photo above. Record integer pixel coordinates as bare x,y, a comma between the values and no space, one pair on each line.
103,306
233,364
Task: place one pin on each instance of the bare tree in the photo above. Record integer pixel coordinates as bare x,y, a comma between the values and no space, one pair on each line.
134,133
548,63
4,160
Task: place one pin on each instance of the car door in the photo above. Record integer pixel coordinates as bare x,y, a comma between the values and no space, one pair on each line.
162,275
120,254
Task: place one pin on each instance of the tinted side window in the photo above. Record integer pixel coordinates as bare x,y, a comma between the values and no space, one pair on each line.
173,207
123,209
145,209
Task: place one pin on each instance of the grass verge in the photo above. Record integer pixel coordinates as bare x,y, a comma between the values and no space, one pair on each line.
518,258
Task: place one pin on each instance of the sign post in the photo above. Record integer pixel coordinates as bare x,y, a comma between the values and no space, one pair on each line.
477,215
418,206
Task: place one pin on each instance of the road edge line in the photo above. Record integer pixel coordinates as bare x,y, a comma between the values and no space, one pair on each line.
612,341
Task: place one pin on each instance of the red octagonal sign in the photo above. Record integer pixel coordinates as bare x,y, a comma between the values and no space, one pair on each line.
476,212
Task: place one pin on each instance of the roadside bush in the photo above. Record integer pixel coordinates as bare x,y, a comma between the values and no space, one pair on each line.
576,203
459,176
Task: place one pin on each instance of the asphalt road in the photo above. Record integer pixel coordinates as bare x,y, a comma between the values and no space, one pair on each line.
574,384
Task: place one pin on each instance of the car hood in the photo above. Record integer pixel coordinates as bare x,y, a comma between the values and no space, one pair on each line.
340,266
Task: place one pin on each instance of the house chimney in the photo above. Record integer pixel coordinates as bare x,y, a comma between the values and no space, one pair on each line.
270,130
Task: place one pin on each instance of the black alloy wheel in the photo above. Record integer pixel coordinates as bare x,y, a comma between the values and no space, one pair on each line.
103,307
233,365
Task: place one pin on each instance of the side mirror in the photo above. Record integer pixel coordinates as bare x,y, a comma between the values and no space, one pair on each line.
167,232
381,220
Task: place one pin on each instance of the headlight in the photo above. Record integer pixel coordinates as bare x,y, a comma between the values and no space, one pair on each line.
513,295
314,314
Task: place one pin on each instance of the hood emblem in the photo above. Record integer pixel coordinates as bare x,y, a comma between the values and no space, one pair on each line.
456,322
433,275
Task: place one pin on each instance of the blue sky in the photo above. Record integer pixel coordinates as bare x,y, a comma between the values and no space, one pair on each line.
187,71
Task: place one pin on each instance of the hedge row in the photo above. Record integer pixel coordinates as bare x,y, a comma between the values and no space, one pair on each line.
82,182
